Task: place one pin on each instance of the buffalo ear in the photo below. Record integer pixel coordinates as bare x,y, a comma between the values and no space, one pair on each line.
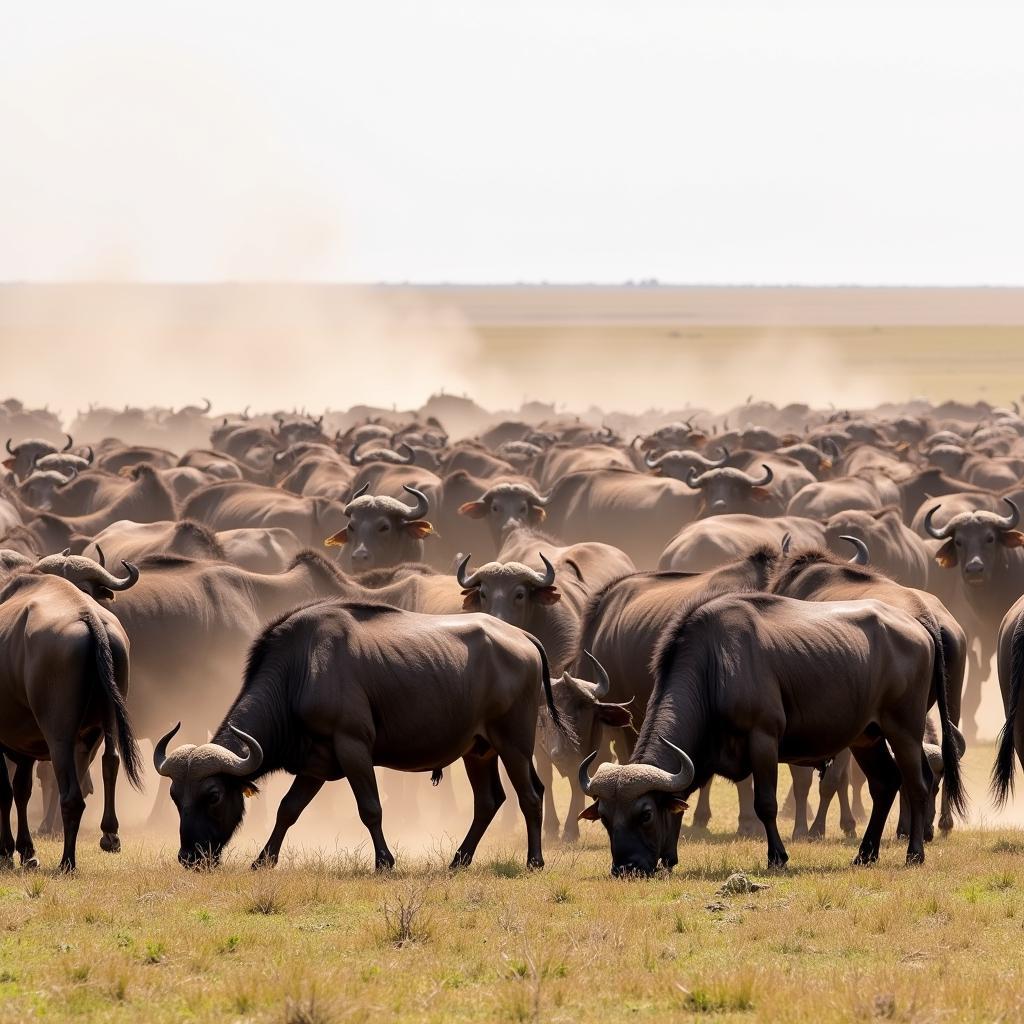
471,600
336,540
9,463
539,514
473,509
1011,538
614,715
547,595
760,493
676,805
946,555
418,528
589,813
250,789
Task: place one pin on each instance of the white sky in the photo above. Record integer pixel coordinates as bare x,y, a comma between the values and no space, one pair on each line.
719,141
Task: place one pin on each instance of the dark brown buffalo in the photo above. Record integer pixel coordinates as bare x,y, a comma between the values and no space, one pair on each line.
336,688
63,684
742,684
22,457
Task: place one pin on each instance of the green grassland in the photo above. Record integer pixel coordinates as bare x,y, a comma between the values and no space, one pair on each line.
321,939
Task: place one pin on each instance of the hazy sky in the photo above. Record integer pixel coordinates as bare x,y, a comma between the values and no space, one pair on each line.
719,141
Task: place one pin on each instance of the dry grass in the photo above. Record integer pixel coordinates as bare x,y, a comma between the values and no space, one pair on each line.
322,940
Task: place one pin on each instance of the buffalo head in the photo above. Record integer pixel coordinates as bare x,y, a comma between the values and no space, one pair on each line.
729,490
208,786
635,803
975,540
90,577
509,591
506,507
383,531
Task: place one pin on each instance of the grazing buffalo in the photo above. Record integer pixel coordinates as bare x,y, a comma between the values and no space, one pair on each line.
63,684
336,688
745,681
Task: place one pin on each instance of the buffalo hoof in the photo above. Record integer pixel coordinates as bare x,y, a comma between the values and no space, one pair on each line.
946,824
801,833
915,857
929,833
534,863
110,842
865,857
902,836
849,828
384,864
460,860
7,862
750,830
815,835
66,867
264,862
29,862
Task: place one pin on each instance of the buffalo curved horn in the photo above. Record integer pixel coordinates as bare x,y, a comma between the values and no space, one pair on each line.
548,579
681,779
410,456
353,455
209,406
318,422
99,557
466,582
692,478
111,582
862,556
724,457
787,540
603,684
235,765
1010,522
422,506
10,450
655,462
938,534
92,454
765,480
68,446
584,774
160,751
362,490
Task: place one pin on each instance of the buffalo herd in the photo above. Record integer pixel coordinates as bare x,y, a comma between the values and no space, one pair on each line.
636,602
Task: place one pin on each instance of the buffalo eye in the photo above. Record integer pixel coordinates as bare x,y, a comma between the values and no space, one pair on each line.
959,543
646,816
990,540
384,527
520,596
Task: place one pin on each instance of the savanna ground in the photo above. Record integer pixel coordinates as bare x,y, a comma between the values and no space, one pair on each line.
321,939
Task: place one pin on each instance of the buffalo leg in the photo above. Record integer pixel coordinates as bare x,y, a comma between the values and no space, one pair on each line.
802,779
294,802
917,783
883,783
702,812
110,842
488,796
764,760
577,801
72,804
545,769
857,781
847,818
6,804
51,799
519,766
22,794
749,826
834,782
977,673
364,787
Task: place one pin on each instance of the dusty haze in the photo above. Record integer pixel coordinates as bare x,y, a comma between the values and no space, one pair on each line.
626,348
